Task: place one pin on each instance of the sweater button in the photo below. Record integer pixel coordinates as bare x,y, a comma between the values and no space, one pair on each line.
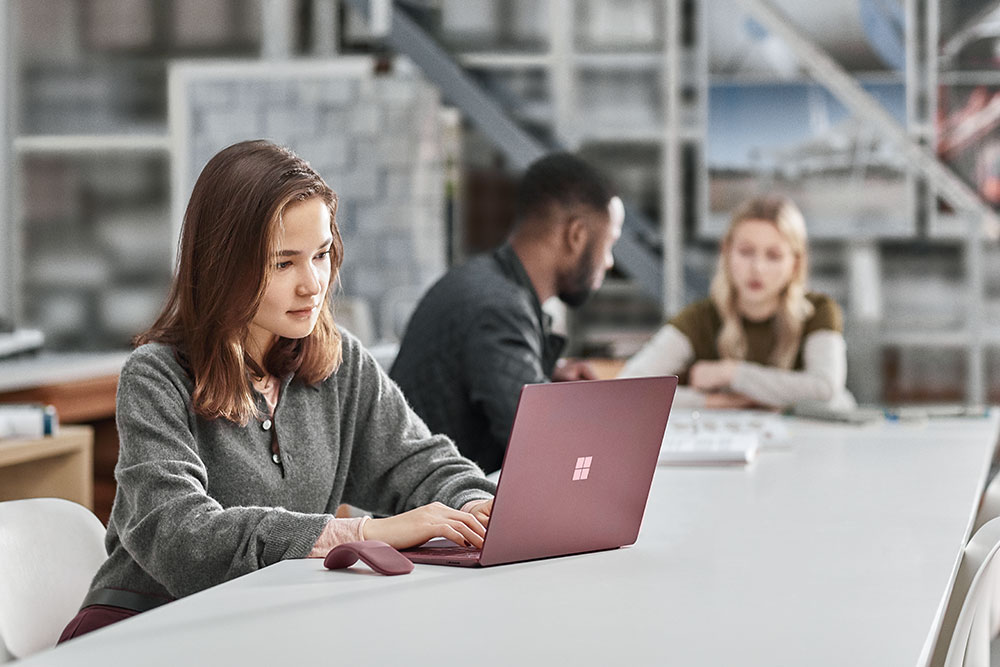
266,424
276,458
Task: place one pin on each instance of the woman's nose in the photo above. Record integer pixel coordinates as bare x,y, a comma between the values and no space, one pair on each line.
310,282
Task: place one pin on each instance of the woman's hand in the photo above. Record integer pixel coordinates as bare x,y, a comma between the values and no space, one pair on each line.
571,371
415,527
712,375
481,510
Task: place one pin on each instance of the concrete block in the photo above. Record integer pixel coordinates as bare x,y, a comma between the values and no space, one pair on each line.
397,250
395,150
375,141
283,121
213,93
333,92
395,90
366,120
397,184
361,183
346,217
362,151
403,119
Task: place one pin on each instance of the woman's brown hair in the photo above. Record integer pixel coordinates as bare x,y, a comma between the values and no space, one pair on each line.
228,242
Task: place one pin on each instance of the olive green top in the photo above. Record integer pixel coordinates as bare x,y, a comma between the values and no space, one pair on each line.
700,323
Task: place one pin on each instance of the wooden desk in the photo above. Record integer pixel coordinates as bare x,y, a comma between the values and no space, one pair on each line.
839,548
60,466
82,388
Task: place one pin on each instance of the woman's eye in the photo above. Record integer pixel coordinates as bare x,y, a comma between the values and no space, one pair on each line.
323,255
282,265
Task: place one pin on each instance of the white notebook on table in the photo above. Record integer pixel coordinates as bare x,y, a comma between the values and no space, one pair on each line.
708,448
710,437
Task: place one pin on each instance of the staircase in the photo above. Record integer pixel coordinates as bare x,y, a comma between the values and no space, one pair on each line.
638,253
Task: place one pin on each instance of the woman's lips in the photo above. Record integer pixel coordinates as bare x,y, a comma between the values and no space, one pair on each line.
304,312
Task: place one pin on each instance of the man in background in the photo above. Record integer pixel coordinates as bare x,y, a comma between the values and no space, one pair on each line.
479,334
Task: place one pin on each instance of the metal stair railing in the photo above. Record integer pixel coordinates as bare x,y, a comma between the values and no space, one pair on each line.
634,254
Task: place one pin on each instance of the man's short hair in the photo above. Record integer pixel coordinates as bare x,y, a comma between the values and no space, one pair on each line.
564,179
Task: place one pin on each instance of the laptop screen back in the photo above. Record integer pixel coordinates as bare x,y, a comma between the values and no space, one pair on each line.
578,467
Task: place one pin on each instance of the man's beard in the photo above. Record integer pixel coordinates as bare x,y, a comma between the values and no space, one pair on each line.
578,288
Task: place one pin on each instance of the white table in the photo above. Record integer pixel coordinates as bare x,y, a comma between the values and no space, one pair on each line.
838,549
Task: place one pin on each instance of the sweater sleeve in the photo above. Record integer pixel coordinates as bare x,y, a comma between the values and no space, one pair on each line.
396,463
164,514
823,377
669,352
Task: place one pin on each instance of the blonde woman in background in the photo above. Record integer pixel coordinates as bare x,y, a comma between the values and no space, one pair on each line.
760,339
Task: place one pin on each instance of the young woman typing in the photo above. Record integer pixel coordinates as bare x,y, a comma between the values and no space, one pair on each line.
760,339
245,417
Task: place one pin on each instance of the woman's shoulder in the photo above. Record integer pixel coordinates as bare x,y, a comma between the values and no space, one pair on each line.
356,363
826,314
153,372
154,359
151,354
351,349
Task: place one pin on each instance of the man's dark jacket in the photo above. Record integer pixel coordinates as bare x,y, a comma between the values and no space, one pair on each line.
476,338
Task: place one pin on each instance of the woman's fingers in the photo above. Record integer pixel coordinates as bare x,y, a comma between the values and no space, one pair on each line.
482,511
469,520
467,533
423,523
450,533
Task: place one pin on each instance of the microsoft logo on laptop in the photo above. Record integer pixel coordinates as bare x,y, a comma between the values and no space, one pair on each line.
582,470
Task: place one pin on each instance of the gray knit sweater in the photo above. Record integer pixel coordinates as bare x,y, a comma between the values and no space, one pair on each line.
200,501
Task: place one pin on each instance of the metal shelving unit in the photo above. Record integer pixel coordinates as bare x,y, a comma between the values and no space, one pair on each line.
89,255
677,64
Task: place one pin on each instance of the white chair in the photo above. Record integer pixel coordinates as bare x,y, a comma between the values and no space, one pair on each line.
50,550
989,508
964,640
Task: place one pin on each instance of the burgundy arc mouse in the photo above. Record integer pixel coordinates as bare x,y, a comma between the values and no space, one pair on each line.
379,556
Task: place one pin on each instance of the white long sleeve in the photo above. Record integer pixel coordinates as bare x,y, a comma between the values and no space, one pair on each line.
669,352
824,357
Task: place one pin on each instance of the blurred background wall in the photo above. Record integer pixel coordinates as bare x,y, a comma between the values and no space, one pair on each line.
112,106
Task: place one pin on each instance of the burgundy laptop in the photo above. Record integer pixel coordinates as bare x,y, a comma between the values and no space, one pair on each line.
576,475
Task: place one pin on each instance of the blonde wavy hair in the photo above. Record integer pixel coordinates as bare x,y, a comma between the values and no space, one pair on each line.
794,309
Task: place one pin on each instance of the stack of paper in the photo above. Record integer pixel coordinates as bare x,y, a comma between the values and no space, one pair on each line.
695,449
719,437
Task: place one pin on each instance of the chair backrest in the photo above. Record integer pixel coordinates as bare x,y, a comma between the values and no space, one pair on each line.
50,550
989,508
964,640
